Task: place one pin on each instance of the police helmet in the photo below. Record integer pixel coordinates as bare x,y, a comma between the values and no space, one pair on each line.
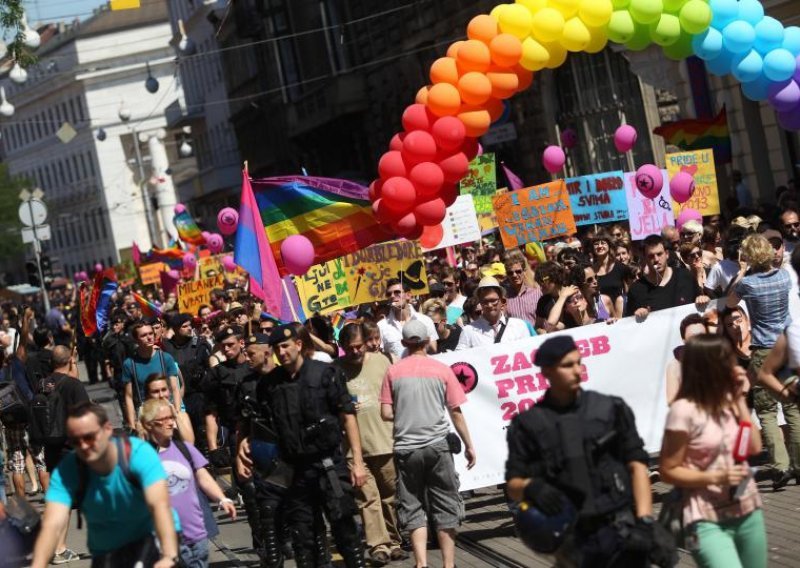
264,455
543,533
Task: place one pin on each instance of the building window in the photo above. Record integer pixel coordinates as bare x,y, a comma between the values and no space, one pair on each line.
78,176
84,172
91,163
103,219
80,109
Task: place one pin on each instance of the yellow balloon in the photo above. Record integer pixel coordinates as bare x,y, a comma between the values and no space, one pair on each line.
548,23
598,41
516,20
595,13
575,36
568,8
534,55
533,5
497,10
558,55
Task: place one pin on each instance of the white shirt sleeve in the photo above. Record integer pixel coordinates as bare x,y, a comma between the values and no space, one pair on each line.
793,345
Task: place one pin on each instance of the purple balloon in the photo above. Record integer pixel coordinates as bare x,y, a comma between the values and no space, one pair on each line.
179,208
205,235
298,254
174,274
553,159
215,243
790,120
569,138
784,96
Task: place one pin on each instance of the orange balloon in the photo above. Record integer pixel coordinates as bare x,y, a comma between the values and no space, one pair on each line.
506,50
525,78
474,55
422,96
444,70
452,51
476,119
483,28
505,82
444,100
475,88
495,108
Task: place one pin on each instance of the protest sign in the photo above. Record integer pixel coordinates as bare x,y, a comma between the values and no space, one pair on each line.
126,272
323,288
212,265
149,273
368,270
460,225
534,214
700,164
597,198
481,182
647,216
195,293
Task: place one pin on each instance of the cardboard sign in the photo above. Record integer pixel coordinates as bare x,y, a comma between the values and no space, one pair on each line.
535,213
324,288
149,273
211,265
460,225
700,164
598,198
481,182
368,270
126,272
647,216
195,293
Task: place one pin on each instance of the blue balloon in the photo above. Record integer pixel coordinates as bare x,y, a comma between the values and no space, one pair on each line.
720,65
757,90
769,35
791,39
751,11
738,37
779,65
708,44
723,12
747,67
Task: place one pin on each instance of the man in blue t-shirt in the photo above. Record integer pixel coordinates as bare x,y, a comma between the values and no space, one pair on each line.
121,510
146,361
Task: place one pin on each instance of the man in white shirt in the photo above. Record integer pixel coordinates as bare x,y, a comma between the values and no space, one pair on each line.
399,296
493,326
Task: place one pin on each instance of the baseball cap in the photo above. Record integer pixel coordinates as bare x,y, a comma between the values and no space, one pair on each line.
415,332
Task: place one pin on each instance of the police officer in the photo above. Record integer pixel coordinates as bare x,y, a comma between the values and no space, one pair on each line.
309,406
577,454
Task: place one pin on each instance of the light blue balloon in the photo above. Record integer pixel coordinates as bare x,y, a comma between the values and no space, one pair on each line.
723,12
738,37
791,39
779,65
747,67
751,11
757,90
769,35
708,44
720,65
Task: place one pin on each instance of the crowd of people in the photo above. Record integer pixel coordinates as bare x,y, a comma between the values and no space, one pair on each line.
324,424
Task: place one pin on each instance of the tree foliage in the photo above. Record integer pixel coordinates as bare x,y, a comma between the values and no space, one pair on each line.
10,226
12,16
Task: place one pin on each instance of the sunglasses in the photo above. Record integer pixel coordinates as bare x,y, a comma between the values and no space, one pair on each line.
516,272
791,225
391,293
590,279
448,284
694,254
86,438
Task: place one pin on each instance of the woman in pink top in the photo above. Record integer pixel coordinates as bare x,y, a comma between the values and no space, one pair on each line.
722,507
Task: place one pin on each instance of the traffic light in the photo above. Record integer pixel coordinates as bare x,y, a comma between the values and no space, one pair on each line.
47,266
33,273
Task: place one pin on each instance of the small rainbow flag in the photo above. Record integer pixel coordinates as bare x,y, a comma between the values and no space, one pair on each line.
187,228
700,133
334,214
149,309
95,302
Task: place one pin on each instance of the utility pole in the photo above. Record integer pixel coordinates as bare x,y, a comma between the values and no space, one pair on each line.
33,214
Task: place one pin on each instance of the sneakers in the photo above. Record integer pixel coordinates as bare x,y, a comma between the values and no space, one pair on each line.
65,556
379,558
781,480
398,554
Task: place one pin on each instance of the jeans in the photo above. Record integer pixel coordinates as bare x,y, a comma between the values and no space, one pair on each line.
740,543
195,555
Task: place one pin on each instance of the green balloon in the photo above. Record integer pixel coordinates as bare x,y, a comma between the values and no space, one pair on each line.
646,11
620,4
673,6
641,38
621,27
681,49
667,31
695,17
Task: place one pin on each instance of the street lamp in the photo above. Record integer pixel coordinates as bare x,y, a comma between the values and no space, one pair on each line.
125,116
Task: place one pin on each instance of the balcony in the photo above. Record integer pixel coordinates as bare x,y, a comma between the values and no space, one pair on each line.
344,95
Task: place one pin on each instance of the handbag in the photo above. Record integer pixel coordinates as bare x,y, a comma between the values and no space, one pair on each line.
671,515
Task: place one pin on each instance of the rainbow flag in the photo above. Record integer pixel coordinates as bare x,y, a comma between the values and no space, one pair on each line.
334,214
149,309
96,301
188,231
700,133
171,255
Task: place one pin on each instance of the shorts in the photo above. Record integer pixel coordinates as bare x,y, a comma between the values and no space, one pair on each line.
18,444
427,484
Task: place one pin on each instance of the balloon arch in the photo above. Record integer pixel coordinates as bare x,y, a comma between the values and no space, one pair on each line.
419,174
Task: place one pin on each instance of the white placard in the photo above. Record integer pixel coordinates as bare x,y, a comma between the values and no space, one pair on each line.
460,225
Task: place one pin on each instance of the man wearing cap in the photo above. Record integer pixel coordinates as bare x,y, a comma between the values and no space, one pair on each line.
399,296
494,326
309,408
239,314
581,449
418,394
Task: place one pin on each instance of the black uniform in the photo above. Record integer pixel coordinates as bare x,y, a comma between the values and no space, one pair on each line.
304,411
192,359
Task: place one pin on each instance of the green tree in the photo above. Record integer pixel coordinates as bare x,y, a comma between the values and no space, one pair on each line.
10,226
12,13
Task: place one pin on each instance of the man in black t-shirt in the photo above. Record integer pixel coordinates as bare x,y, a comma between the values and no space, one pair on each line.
661,287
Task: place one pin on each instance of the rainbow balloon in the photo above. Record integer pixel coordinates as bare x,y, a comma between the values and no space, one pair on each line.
419,174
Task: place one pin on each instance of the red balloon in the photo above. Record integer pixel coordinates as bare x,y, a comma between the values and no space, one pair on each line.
419,146
431,236
396,142
391,165
406,225
398,194
431,212
428,178
471,147
449,193
415,234
455,167
381,212
449,133
417,117
375,190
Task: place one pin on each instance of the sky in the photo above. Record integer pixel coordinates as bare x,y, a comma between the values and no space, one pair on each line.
60,10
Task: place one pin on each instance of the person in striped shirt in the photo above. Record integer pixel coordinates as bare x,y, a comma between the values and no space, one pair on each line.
522,292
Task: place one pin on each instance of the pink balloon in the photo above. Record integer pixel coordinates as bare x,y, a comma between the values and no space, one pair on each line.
227,220
553,159
205,235
174,274
649,181
77,277
298,254
625,138
179,208
480,149
228,263
215,243
84,275
687,215
681,187
569,138
189,261
98,267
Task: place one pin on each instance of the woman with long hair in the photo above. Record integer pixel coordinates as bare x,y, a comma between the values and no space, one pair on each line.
607,269
701,455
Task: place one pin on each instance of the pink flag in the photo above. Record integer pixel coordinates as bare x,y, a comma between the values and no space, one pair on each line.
136,254
168,283
513,179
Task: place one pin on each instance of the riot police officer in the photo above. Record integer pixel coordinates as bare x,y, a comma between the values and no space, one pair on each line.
309,406
576,459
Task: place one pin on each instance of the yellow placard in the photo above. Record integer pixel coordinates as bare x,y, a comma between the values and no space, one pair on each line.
125,4
700,164
151,273
195,293
211,265
323,288
368,270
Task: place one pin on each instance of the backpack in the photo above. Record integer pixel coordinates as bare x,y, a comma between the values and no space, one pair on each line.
48,418
14,401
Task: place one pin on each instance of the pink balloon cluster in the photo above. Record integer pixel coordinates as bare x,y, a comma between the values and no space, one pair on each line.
215,243
228,264
227,220
81,276
189,261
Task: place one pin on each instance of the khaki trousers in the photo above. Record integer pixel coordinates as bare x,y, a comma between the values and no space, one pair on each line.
375,500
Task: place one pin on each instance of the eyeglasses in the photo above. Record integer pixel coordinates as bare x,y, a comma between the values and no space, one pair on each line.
489,301
516,272
86,438
267,328
776,244
590,279
448,284
390,293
